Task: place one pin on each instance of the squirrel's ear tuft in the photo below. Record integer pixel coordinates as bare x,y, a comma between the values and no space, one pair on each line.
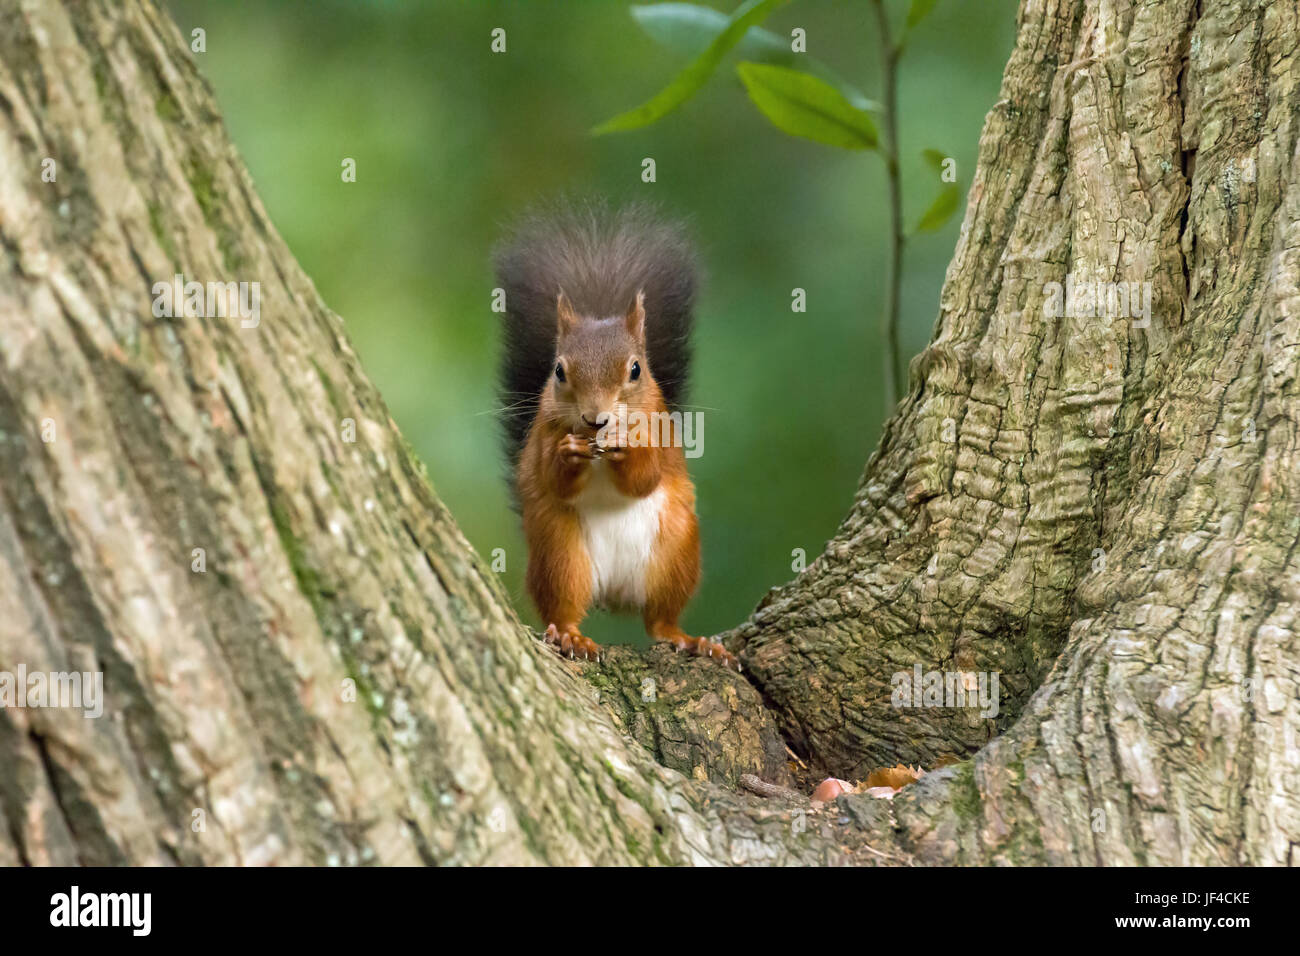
636,316
567,319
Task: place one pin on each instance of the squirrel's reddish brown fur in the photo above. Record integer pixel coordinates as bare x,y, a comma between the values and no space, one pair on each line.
607,521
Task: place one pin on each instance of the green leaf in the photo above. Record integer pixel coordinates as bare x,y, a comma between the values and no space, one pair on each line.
685,85
935,159
800,104
918,11
941,210
689,28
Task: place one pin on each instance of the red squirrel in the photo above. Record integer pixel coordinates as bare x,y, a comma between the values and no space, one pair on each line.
598,313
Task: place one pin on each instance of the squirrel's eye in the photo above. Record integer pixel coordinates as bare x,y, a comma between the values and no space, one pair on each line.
559,372
635,373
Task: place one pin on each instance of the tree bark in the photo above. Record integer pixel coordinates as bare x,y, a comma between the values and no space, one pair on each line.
1101,515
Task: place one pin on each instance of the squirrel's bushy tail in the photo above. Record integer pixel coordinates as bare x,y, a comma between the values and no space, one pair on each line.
600,256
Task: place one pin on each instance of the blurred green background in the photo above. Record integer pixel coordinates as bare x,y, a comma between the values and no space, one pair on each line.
452,140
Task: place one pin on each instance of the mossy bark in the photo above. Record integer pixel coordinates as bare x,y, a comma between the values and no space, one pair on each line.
1149,709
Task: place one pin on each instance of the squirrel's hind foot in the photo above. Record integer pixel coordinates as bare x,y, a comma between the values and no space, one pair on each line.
701,647
570,643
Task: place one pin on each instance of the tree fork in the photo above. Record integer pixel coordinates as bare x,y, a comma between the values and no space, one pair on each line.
1151,707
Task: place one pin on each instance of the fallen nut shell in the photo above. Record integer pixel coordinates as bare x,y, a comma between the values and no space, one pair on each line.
830,788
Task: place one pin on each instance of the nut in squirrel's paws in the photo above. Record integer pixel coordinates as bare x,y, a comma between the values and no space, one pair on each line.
572,644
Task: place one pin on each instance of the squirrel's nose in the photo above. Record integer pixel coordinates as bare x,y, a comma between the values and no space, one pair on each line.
601,420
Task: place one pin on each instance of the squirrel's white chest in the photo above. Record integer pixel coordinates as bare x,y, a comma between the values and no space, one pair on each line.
619,533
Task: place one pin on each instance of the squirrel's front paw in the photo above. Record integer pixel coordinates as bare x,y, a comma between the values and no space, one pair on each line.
575,448
611,446
572,644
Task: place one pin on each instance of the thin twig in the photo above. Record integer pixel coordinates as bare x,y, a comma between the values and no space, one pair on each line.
765,789
886,856
795,757
889,150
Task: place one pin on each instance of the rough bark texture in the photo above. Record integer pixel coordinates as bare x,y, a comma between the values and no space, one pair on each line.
1147,142
1149,708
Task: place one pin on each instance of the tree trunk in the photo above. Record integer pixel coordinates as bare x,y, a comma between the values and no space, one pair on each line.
1100,514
